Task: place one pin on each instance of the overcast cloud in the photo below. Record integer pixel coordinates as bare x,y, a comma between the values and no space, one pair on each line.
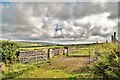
59,20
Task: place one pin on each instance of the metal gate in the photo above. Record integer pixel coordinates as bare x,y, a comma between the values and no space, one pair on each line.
35,55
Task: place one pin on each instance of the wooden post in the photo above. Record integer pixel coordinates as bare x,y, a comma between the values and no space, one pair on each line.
112,38
48,54
0,58
65,51
89,57
36,56
58,51
18,56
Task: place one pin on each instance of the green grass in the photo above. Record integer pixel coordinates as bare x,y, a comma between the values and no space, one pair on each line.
31,45
56,68
37,48
43,73
106,47
17,69
2,41
33,71
81,52
23,44
103,47
27,44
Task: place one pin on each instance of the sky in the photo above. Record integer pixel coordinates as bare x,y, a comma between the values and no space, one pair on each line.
84,21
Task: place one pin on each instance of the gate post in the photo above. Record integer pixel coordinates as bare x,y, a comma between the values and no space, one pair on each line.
48,55
89,56
36,55
65,51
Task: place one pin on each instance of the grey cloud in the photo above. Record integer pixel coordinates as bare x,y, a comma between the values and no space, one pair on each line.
13,14
39,20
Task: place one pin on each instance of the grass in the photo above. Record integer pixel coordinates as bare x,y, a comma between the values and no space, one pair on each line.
103,47
37,48
43,73
23,44
106,47
17,69
27,44
58,67
68,67
81,52
32,71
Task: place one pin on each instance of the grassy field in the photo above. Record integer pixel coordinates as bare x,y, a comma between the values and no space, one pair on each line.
31,45
81,52
23,44
103,47
60,66
106,47
43,73
27,44
37,48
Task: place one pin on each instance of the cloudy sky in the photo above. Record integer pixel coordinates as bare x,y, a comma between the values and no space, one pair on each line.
59,20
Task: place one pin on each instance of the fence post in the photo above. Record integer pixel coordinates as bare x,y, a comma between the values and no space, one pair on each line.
89,57
65,52
36,55
48,54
